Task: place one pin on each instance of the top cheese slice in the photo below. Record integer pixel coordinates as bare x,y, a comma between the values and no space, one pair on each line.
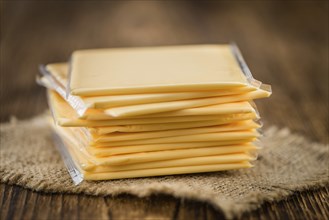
154,69
56,78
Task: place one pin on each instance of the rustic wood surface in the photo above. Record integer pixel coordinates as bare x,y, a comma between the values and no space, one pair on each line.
285,44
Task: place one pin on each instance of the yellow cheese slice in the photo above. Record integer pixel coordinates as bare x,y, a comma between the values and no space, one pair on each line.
171,154
110,151
227,108
90,166
165,171
161,126
102,102
154,69
244,125
104,173
64,115
143,157
91,153
222,162
83,140
193,161
217,136
97,114
58,71
105,139
143,109
217,109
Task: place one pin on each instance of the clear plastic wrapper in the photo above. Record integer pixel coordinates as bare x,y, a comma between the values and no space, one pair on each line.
65,116
156,127
122,133
50,82
246,71
238,126
72,137
71,166
80,167
83,142
184,63
155,109
81,104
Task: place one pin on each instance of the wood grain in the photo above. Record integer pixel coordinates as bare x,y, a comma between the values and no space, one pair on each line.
285,44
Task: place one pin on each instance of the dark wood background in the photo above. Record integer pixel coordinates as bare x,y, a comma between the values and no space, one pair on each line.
285,44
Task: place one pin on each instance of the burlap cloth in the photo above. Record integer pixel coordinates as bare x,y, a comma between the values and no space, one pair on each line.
288,163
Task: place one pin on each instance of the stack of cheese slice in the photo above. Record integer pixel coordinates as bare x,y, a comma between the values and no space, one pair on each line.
137,112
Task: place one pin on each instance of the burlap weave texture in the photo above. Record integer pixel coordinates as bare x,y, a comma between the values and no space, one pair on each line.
287,163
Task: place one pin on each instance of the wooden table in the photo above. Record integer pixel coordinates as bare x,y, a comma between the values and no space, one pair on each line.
285,44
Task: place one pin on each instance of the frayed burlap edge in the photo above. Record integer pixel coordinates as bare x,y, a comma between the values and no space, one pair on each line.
231,208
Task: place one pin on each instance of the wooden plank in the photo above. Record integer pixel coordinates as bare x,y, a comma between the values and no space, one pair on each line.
25,204
2,195
55,211
70,207
294,208
5,206
197,210
154,207
29,208
289,51
17,203
91,207
42,206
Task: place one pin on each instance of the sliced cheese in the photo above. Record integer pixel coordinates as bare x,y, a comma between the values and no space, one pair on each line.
103,102
135,112
143,157
101,171
91,154
110,151
154,69
245,125
218,136
97,114
82,140
64,115
59,72
218,109
143,109
165,171
226,108
192,161
90,166
162,126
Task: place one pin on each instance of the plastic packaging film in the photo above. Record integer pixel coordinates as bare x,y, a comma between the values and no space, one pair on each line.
54,77
65,116
152,111
156,127
191,68
136,105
